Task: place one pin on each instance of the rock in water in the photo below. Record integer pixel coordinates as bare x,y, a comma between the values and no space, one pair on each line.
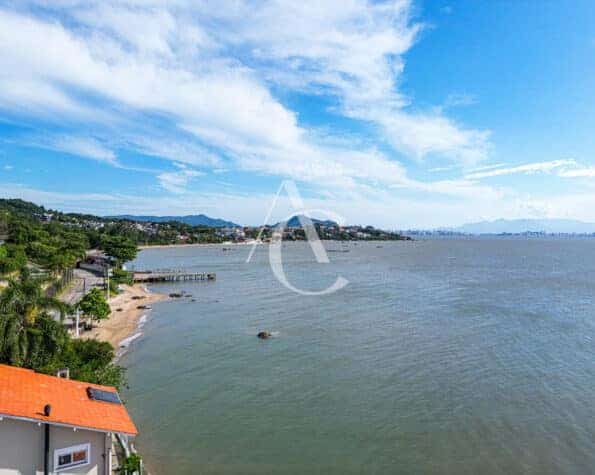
263,335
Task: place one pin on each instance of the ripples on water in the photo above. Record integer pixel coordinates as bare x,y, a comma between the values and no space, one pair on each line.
440,356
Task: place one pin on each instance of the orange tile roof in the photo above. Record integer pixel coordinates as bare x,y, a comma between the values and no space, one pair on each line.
24,393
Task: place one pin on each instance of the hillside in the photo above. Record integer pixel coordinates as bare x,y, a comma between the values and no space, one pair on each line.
191,220
294,222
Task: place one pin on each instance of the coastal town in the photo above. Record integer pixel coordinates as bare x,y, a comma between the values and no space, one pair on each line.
179,232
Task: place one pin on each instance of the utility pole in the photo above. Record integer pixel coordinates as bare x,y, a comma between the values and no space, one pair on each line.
107,279
78,312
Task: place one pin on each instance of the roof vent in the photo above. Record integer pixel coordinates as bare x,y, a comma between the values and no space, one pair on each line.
63,373
105,396
47,409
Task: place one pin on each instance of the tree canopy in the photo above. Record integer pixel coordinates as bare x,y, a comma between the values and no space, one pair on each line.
12,258
95,305
119,248
27,330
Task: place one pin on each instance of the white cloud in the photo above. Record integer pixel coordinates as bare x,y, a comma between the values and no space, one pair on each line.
227,100
353,50
207,69
176,181
423,134
530,168
487,167
83,147
459,100
587,172
179,150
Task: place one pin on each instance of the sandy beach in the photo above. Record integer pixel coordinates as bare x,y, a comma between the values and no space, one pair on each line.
124,319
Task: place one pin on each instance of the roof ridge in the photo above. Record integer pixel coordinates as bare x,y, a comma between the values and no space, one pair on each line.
62,380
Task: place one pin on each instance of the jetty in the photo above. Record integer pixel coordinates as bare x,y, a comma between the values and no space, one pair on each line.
171,275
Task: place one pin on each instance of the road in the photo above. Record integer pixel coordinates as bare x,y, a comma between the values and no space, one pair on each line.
82,283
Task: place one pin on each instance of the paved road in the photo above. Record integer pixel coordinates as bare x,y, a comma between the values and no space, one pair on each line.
83,282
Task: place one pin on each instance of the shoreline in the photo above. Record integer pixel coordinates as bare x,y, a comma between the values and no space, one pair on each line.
198,244
123,326
260,243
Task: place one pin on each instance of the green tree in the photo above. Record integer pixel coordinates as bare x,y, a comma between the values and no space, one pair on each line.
26,329
91,361
131,465
19,231
119,248
30,345
24,297
95,305
12,258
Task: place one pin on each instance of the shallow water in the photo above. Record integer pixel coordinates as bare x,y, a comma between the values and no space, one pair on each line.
440,356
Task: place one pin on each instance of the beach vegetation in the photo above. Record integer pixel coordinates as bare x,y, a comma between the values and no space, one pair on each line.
25,297
32,337
119,248
95,305
131,465
120,276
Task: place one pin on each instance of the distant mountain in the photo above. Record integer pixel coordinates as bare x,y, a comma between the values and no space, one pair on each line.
294,222
192,220
518,226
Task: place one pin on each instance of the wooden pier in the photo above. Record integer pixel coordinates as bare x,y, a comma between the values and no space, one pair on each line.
168,275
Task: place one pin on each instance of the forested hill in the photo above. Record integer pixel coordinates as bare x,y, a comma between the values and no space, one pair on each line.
192,220
56,240
20,212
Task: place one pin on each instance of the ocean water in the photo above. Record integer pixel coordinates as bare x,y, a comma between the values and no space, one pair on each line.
458,356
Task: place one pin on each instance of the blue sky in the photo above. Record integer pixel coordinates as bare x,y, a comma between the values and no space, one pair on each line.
393,113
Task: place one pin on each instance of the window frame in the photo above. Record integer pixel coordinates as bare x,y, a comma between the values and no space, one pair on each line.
71,450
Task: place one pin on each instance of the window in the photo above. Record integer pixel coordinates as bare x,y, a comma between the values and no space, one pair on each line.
72,457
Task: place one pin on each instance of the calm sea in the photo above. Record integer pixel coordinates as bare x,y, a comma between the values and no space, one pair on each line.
440,356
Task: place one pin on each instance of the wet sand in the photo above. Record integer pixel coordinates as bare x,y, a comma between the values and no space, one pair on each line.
124,323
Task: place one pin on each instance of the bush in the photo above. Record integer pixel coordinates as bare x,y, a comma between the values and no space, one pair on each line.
131,465
120,276
91,361
95,305
12,258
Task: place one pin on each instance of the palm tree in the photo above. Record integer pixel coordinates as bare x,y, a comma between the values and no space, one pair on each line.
24,318
25,297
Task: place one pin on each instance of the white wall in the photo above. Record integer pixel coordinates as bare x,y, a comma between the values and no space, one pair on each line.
22,446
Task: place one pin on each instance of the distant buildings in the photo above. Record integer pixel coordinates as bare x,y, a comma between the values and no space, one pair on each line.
95,261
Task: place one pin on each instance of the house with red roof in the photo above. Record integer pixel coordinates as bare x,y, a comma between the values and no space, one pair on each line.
54,425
